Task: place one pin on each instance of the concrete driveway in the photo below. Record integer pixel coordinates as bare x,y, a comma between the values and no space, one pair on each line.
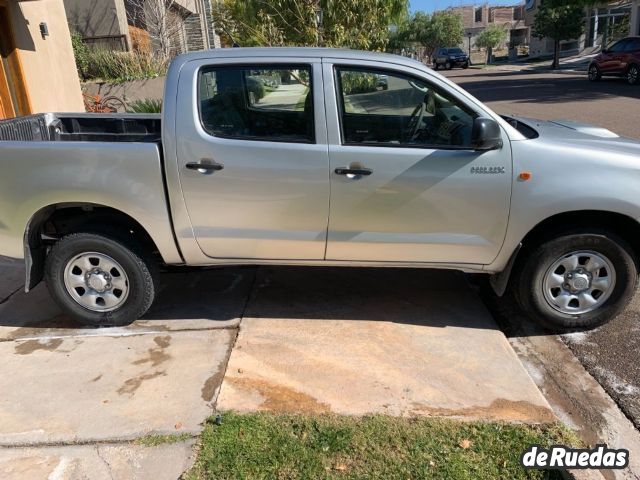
351,341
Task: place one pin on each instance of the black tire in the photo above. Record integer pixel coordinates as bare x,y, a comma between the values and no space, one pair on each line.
465,65
633,74
139,269
436,66
529,280
448,66
594,73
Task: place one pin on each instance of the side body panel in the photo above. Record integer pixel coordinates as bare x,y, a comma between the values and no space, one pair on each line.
126,177
596,174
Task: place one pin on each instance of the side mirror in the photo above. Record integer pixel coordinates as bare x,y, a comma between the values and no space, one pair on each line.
486,134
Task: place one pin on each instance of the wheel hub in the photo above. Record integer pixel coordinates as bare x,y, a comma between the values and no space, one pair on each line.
578,280
98,281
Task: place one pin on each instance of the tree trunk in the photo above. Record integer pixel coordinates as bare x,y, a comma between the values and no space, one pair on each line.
489,55
556,54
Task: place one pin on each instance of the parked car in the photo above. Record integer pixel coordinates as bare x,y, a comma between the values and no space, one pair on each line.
450,57
426,176
622,59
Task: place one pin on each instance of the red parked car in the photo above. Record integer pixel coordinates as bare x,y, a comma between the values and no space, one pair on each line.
622,59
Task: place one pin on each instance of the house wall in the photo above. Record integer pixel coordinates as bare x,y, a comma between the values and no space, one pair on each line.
97,18
634,27
48,65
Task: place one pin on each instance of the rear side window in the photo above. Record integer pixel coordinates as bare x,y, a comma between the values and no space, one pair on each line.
273,103
632,45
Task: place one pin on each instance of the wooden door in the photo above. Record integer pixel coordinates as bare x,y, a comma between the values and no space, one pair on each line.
14,99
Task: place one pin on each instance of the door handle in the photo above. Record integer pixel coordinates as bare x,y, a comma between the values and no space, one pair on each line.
353,171
207,167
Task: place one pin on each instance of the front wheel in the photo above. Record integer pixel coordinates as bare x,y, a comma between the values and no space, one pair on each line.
577,281
100,281
448,66
594,73
465,65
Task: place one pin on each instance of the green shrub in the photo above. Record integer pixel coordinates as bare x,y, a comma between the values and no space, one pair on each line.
81,54
358,82
146,105
123,66
256,86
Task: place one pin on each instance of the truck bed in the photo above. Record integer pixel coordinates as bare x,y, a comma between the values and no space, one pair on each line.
82,127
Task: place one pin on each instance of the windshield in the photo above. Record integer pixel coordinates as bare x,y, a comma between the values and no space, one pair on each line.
455,50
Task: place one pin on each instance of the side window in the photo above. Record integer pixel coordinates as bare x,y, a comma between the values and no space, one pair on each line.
401,111
618,47
257,102
632,45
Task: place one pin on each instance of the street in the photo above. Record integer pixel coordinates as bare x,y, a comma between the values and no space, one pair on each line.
610,103
609,353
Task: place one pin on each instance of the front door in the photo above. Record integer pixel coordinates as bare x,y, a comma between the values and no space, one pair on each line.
252,158
406,186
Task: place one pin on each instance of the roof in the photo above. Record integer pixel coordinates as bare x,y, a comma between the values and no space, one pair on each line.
299,52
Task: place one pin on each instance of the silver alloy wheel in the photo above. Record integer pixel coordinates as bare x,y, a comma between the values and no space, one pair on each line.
579,282
632,75
96,281
593,72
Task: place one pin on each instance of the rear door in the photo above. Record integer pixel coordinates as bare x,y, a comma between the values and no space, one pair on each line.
405,184
252,157
612,60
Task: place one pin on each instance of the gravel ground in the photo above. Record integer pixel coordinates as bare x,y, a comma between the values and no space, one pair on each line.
610,353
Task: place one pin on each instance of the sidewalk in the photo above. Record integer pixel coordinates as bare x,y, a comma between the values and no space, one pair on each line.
571,65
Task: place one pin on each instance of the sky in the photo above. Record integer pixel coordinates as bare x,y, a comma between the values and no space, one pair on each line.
431,5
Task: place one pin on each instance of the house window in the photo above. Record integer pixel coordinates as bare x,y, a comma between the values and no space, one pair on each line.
478,14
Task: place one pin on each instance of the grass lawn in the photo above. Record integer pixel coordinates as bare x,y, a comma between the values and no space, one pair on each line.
279,446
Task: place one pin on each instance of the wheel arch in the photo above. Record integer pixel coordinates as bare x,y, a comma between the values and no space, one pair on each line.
623,226
54,221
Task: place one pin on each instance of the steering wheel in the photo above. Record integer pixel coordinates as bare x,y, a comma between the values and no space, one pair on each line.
415,120
428,105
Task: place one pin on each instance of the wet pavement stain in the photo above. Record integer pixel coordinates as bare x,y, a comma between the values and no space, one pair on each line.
31,346
210,386
500,409
278,398
156,355
131,385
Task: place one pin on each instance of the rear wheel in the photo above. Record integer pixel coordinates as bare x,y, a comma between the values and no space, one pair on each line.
633,75
100,281
448,66
594,73
577,281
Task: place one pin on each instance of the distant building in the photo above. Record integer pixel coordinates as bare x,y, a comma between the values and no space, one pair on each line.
37,67
604,23
120,24
476,18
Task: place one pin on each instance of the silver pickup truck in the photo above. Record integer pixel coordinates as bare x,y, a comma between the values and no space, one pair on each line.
301,157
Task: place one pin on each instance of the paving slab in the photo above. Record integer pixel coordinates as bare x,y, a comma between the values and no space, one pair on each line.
358,341
91,389
11,276
97,462
187,300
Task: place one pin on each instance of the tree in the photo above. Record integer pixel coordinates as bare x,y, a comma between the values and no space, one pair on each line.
490,38
160,19
432,31
360,24
559,20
